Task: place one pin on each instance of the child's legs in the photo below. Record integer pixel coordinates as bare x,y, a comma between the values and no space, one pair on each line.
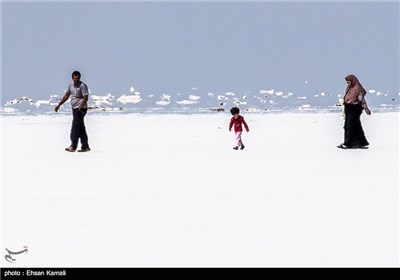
239,142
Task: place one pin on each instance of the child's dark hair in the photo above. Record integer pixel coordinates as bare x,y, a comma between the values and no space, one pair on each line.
235,110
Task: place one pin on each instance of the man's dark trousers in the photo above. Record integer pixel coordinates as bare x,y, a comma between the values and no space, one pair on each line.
78,129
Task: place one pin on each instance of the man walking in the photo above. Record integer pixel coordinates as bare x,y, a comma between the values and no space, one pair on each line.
79,93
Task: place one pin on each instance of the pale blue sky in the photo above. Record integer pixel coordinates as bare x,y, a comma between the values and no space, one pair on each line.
215,46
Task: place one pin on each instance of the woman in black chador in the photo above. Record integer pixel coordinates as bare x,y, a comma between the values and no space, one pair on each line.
354,103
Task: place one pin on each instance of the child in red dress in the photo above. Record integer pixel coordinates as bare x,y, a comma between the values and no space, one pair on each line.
237,121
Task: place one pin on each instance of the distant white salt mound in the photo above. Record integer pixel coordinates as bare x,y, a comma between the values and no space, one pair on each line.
134,99
41,102
221,109
302,97
105,109
230,93
8,110
264,91
102,99
321,94
166,97
194,97
162,102
237,102
253,110
23,99
187,102
165,100
304,107
54,97
222,97
279,93
376,92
